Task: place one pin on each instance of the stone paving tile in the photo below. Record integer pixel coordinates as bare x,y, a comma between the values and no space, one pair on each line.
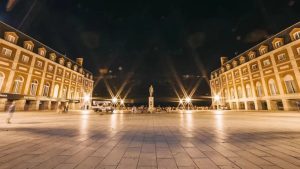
44,140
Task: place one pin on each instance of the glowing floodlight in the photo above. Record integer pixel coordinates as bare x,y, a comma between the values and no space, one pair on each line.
86,98
217,98
180,101
114,100
188,99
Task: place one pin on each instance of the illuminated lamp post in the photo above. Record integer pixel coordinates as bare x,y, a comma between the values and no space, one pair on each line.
188,101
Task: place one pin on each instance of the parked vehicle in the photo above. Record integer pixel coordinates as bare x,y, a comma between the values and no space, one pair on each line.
102,106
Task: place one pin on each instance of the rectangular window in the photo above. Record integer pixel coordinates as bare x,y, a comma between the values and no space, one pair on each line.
266,62
42,52
25,59
39,64
254,67
50,68
281,57
6,52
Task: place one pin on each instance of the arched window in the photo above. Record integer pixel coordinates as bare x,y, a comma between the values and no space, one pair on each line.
239,92
289,84
56,90
232,93
72,94
33,87
259,90
18,83
64,92
1,80
46,89
272,87
248,90
226,94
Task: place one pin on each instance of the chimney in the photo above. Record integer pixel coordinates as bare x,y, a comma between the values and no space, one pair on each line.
223,60
79,61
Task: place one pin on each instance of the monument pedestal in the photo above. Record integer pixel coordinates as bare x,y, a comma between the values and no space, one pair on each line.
151,104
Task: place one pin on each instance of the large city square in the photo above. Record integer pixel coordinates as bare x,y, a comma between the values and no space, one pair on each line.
177,140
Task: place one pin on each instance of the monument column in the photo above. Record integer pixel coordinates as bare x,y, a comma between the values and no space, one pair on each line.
151,100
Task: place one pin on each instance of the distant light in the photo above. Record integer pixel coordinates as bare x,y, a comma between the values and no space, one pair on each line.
188,99
114,100
180,101
217,98
122,101
86,98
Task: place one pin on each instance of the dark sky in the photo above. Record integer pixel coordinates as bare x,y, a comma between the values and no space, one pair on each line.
153,40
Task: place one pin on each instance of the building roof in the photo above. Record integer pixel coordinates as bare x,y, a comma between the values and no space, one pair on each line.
284,34
37,44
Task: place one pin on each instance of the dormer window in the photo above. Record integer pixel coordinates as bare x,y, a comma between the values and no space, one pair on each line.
61,61
296,35
263,51
28,45
91,77
69,64
222,69
251,55
42,51
228,66
242,59
80,70
11,38
52,56
75,67
235,63
278,44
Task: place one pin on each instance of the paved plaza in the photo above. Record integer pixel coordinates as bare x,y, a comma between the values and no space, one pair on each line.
192,140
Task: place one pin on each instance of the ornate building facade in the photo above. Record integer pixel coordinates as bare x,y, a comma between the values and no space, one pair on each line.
37,77
265,77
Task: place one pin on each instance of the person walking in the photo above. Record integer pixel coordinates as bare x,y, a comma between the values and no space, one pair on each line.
10,111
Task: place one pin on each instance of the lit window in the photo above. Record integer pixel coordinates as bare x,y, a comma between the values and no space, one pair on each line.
251,56
272,87
25,59
259,90
266,62
281,57
50,68
18,85
28,46
1,80
245,71
11,38
6,52
278,44
39,63
254,67
42,52
296,35
46,89
236,74
289,84
33,88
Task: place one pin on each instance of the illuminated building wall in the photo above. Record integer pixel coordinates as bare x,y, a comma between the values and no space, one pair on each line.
37,77
265,77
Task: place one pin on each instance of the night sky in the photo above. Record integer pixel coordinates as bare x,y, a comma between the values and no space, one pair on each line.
151,42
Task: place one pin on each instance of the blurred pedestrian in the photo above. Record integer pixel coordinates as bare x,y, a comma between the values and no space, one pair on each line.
59,108
10,111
